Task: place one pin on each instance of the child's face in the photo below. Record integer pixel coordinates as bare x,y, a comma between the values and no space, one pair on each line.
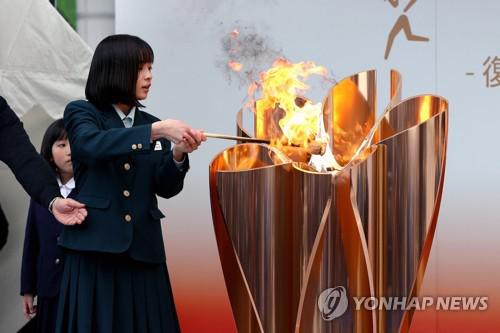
61,153
144,78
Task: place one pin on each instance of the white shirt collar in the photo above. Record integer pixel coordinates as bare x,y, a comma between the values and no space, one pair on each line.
66,189
122,115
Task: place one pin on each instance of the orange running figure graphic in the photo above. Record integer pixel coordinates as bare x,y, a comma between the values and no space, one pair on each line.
403,23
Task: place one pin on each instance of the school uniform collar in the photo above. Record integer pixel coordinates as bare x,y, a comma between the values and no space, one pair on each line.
114,120
66,189
122,115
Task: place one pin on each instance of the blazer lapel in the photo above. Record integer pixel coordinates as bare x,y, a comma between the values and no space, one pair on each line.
139,119
73,193
111,118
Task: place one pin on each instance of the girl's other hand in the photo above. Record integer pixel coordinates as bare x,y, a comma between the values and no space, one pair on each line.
29,309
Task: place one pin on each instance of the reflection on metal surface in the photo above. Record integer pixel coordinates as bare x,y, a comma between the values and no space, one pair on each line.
349,114
240,130
286,232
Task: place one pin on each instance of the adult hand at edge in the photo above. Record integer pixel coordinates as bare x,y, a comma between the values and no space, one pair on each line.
68,211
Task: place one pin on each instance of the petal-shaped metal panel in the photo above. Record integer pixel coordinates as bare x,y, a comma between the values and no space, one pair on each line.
411,198
349,114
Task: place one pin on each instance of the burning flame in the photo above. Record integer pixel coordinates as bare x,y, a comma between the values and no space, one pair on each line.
235,66
282,87
301,126
235,33
284,116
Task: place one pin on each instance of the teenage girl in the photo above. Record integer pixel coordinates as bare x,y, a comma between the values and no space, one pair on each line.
115,277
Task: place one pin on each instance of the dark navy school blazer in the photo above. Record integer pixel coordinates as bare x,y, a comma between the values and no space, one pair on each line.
43,259
118,173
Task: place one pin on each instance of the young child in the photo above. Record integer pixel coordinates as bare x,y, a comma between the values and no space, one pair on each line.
42,263
115,277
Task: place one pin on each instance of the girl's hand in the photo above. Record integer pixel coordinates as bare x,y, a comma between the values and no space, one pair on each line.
176,131
187,146
29,309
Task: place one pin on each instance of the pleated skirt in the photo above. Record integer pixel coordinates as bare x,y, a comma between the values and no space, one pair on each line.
46,313
106,293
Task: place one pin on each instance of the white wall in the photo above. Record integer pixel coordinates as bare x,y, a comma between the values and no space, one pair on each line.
95,20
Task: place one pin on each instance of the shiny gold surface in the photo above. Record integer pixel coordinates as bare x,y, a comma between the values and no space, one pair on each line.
240,129
286,232
415,178
349,114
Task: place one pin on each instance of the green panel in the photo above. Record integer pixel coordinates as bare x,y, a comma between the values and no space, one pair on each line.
67,8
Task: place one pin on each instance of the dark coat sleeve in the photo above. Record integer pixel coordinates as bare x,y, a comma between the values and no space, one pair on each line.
4,228
31,252
169,180
18,153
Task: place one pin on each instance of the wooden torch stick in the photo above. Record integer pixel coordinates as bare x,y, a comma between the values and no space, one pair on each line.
234,137
314,147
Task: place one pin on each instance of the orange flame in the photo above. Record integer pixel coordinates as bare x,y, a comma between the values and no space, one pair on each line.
282,86
235,66
235,33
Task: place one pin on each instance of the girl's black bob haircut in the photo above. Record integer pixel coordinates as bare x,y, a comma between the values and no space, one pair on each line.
114,68
54,132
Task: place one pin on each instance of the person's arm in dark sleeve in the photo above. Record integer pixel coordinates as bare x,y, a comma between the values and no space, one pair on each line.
16,150
31,251
90,144
4,228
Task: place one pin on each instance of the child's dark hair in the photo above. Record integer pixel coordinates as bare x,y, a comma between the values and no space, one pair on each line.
113,72
54,132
